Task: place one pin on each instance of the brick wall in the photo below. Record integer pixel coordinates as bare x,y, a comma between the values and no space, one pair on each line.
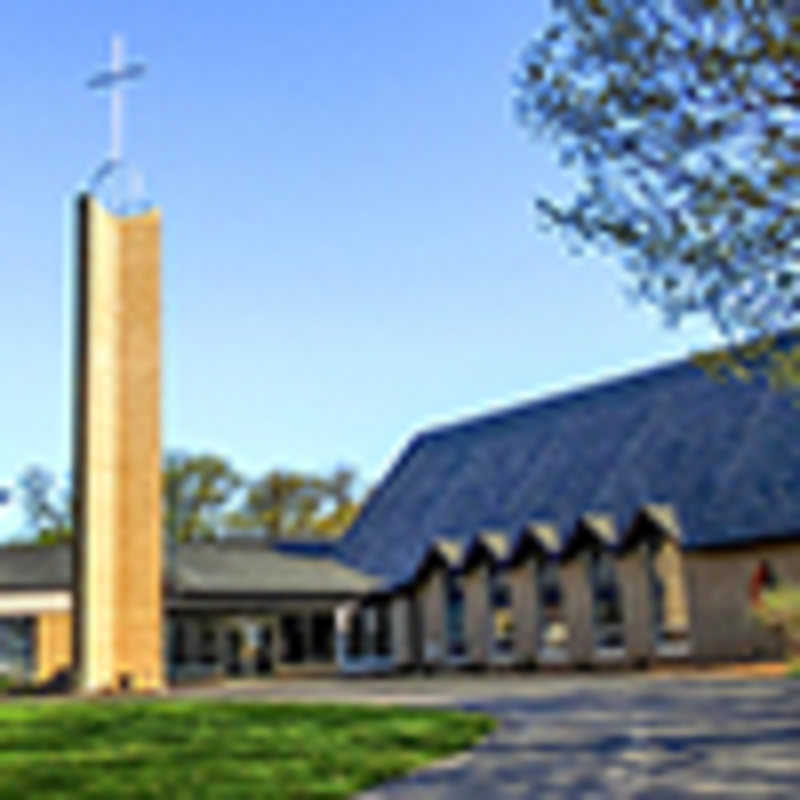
53,644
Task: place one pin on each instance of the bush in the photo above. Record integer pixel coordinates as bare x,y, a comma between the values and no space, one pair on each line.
780,608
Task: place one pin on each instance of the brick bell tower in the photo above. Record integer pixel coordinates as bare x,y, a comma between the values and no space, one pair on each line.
117,558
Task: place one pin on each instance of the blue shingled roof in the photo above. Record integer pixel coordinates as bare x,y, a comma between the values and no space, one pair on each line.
726,456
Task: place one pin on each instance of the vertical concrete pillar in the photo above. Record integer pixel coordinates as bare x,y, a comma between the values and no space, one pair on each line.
579,609
478,614
342,620
669,567
432,605
637,601
525,609
401,629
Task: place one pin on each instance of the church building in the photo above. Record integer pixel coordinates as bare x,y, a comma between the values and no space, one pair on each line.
623,524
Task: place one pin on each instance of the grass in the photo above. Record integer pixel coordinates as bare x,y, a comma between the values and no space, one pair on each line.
221,750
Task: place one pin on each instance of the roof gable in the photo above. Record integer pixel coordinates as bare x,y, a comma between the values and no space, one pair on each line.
489,546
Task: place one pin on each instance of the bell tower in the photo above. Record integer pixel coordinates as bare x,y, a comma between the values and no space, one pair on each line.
117,583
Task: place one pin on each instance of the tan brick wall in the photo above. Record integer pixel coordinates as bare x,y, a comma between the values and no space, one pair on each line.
718,584
634,585
577,598
138,613
119,609
525,608
53,644
477,619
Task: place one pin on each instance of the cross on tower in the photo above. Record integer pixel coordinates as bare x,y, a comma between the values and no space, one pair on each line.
113,79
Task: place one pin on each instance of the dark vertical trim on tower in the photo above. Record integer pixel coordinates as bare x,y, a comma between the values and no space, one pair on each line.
79,422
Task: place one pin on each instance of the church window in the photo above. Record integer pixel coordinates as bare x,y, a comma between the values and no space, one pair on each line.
502,614
17,645
552,620
383,629
455,615
607,606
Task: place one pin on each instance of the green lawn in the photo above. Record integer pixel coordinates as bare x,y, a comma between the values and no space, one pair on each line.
219,750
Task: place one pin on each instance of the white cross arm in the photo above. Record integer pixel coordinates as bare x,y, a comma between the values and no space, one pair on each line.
109,78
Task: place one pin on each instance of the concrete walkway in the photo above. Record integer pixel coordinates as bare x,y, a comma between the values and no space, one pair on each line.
622,736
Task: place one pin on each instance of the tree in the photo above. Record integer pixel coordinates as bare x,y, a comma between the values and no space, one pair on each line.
682,118
339,488
47,513
196,489
286,504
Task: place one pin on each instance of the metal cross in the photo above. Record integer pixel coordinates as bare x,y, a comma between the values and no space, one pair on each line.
112,79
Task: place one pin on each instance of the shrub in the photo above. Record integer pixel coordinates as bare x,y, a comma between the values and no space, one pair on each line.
780,608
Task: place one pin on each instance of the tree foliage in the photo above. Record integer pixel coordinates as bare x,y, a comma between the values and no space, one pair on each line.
47,511
286,504
205,497
682,120
780,608
196,489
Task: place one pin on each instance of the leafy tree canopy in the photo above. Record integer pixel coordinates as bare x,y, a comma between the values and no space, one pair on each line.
682,119
285,504
196,489
47,510
204,497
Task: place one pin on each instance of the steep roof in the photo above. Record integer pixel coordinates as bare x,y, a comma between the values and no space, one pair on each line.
206,568
725,456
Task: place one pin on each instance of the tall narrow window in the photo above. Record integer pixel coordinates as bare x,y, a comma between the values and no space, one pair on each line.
552,619
502,616
607,605
383,629
18,645
456,646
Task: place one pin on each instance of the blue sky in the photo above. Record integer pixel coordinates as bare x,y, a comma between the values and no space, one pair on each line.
350,253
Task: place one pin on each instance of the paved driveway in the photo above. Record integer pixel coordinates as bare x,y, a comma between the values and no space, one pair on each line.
628,736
